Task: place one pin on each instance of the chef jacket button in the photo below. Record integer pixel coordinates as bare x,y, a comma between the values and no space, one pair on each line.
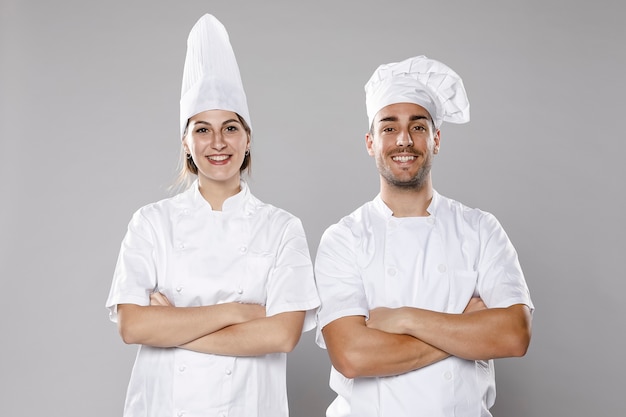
447,375
179,289
431,220
391,271
182,368
181,246
180,413
186,212
243,249
228,372
240,290
392,225
442,268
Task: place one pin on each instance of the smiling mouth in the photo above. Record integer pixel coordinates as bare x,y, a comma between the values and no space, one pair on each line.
403,158
218,158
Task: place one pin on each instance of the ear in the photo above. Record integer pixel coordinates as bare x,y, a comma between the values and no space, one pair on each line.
437,139
185,147
369,143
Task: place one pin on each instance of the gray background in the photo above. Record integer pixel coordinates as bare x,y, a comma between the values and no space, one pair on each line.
88,124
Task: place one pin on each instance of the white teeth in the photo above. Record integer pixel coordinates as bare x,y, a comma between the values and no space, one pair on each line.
403,158
218,157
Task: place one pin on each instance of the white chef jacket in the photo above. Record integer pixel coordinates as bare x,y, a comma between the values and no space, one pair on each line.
249,252
371,259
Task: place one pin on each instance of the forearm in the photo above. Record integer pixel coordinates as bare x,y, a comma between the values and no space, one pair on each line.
279,333
485,334
358,351
167,326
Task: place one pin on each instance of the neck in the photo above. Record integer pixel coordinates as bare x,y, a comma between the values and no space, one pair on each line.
215,193
407,202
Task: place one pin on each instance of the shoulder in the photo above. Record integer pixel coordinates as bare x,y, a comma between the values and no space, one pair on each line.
354,225
164,210
454,207
456,212
165,205
270,213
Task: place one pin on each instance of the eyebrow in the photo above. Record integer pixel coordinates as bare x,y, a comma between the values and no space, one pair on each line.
230,121
224,123
395,119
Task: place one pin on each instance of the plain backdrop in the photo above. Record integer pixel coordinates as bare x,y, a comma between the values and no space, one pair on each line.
89,96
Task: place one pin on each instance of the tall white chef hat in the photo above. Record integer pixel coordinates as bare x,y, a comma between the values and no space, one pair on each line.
211,79
420,80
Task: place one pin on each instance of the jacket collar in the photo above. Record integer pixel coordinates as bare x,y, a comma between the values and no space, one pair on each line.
384,210
231,204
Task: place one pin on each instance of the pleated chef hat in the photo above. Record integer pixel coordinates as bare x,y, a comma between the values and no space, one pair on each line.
211,79
420,80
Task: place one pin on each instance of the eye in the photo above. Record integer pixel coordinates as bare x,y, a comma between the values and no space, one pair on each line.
387,129
202,130
419,128
232,128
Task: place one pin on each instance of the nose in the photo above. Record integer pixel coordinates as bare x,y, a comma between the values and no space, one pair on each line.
404,139
218,142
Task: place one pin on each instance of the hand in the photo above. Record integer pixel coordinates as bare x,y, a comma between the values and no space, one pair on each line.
475,304
386,319
158,299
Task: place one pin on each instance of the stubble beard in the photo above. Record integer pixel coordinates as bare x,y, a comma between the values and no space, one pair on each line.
417,182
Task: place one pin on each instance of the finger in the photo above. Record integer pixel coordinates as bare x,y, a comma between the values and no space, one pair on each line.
154,300
159,299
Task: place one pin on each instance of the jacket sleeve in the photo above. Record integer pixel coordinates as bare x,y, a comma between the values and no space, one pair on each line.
135,272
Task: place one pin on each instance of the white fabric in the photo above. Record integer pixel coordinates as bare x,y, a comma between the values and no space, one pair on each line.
211,79
420,80
372,259
250,252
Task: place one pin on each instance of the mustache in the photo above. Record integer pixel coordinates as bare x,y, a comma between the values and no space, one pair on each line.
408,150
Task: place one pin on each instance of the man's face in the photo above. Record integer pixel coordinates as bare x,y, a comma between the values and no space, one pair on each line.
403,142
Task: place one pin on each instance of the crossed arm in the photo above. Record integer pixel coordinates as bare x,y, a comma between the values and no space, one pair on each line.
395,341
233,329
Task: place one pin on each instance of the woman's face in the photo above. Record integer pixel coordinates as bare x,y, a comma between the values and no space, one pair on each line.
217,142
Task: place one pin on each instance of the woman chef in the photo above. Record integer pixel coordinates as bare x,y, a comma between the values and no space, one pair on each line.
215,285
